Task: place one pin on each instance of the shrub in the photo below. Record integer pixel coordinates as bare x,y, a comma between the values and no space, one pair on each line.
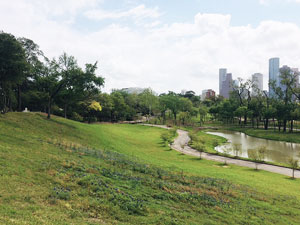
253,154
75,116
237,149
262,152
200,148
165,136
294,164
215,143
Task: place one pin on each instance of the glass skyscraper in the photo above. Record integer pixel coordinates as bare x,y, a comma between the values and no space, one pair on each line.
222,78
274,74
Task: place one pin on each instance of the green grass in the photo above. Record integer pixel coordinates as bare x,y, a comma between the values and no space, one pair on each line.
63,172
208,140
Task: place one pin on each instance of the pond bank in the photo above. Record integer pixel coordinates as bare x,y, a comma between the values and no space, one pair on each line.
183,139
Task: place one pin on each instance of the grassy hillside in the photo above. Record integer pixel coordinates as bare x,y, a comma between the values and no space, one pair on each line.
62,172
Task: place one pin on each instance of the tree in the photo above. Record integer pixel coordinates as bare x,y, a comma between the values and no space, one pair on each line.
262,153
149,101
120,108
33,56
243,94
163,106
107,107
240,112
200,148
284,95
13,67
226,152
56,76
64,79
256,156
184,117
92,108
173,103
294,164
185,105
237,149
203,113
83,86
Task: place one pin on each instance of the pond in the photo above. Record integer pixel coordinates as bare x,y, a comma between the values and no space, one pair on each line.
276,151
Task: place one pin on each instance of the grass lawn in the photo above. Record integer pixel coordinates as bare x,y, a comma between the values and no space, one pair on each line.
62,172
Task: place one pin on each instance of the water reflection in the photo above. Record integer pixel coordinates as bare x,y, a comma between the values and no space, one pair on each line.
276,151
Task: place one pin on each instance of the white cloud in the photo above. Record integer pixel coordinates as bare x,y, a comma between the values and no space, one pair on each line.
267,2
164,56
139,12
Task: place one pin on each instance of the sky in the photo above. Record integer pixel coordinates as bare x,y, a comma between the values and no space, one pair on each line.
168,45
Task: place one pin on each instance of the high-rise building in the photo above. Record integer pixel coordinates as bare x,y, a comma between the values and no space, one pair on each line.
206,94
257,80
226,87
222,78
274,74
236,83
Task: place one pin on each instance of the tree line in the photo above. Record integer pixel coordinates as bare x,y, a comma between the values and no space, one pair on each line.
29,79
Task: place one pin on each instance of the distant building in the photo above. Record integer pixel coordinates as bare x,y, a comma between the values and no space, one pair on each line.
274,74
222,78
297,74
236,83
294,72
207,94
134,90
226,87
257,80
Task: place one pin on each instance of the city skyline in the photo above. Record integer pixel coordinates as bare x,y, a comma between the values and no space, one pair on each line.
258,78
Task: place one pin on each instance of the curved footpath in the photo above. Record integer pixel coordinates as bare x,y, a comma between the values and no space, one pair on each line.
183,140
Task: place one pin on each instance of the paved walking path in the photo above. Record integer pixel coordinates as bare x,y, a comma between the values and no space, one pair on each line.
183,139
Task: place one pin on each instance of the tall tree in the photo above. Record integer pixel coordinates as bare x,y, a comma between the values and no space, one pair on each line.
13,67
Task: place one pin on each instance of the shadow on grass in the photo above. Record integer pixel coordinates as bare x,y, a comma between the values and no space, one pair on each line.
290,178
222,164
253,169
53,120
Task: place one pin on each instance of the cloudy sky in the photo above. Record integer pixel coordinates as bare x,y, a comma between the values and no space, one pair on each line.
166,45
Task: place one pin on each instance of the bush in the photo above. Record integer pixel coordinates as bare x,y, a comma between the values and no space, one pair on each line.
215,143
165,136
199,147
75,116
173,132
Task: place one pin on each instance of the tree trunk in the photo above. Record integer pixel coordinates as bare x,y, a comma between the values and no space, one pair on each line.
175,117
267,124
49,108
292,126
164,117
19,99
3,106
284,125
10,105
65,110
